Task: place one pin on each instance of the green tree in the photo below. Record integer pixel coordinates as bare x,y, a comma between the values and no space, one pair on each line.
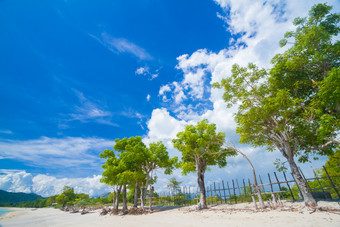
67,196
291,108
133,152
174,185
201,147
156,156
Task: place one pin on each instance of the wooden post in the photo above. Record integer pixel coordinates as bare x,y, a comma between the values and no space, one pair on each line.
215,192
331,182
208,195
239,190
189,197
271,187
234,192
265,193
219,192
211,195
290,190
252,195
278,182
225,198
316,177
229,192
245,192
305,179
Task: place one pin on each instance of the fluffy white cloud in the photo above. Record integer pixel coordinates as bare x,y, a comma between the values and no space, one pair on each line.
148,97
142,70
163,126
145,71
56,152
44,185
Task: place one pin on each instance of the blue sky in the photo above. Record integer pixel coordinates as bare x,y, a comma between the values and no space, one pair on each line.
75,75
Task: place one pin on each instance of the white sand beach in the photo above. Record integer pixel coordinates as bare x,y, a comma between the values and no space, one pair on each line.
292,214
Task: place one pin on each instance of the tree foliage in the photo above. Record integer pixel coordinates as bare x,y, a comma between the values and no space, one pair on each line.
201,147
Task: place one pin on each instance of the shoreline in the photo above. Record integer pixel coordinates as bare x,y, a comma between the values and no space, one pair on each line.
292,214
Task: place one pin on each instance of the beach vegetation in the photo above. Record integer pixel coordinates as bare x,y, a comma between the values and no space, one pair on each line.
201,146
294,106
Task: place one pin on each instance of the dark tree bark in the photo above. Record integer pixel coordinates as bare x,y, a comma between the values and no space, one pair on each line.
150,197
124,198
114,199
135,201
119,189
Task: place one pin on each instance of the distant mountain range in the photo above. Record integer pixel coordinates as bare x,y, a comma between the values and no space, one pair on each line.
17,197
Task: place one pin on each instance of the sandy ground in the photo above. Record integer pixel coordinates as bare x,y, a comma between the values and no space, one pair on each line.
292,214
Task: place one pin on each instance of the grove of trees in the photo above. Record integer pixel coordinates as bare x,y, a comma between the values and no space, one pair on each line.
294,106
132,164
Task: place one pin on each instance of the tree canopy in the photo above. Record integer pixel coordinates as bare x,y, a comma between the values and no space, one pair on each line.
201,147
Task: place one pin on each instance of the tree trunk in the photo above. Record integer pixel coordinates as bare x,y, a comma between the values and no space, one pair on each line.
124,198
302,184
142,196
254,201
258,193
150,197
114,199
256,186
143,191
135,201
119,189
200,180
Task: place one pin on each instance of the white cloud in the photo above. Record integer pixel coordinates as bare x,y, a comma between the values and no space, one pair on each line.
6,132
52,153
163,126
148,97
142,70
164,89
44,185
145,71
121,45
90,111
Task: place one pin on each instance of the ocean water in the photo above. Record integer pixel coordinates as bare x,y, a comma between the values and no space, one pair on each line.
3,211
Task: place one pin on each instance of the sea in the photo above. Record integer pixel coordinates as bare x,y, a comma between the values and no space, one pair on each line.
3,211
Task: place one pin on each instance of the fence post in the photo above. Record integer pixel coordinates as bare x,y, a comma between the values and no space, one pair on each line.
211,194
229,192
290,190
309,188
265,193
234,192
278,182
215,192
273,195
239,190
225,198
316,177
189,197
253,195
220,193
245,192
331,182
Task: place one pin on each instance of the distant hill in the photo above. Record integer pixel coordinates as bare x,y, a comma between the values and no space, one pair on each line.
17,197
